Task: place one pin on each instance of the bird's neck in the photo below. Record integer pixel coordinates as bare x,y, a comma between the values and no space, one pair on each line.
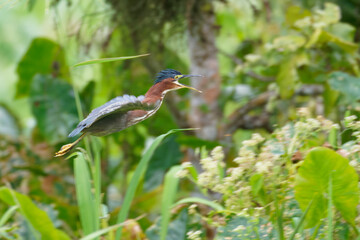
154,94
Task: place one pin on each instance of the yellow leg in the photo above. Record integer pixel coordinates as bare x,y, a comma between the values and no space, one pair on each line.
66,148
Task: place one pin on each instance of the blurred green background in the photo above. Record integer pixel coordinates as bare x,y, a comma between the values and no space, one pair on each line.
262,60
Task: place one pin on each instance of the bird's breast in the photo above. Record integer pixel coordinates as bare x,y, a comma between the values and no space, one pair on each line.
118,121
140,115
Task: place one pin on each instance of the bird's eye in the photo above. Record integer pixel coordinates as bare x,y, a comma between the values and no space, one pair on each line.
176,77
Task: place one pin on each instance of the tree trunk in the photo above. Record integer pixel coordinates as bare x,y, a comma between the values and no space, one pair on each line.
205,113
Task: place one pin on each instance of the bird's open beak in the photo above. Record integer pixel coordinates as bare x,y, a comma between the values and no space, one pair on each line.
189,87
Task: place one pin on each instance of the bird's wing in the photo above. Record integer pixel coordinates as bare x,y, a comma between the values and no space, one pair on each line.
119,104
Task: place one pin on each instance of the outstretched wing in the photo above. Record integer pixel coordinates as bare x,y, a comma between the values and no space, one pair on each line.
119,104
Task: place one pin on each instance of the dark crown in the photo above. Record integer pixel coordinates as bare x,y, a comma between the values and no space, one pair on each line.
164,74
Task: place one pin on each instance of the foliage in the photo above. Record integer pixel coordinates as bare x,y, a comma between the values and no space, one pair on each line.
312,183
38,218
251,204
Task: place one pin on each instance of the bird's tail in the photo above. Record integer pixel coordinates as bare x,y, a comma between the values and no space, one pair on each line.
66,148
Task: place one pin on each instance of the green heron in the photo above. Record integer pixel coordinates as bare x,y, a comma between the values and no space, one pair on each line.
125,111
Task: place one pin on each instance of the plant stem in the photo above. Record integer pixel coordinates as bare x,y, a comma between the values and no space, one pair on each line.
330,215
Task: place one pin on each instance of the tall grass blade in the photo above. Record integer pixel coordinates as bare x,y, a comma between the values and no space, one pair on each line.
97,176
170,188
301,221
103,60
139,172
330,205
8,214
88,210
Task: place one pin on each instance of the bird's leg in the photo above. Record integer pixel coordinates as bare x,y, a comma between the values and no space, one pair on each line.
66,148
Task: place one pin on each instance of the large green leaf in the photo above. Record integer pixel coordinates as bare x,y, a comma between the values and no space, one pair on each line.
329,15
312,182
330,98
321,37
288,76
53,105
44,56
295,13
38,218
347,85
165,156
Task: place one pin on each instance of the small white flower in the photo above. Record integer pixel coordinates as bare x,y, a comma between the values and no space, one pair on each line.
249,143
217,153
350,118
263,167
192,209
186,164
181,173
257,137
303,112
194,235
239,228
353,163
304,22
252,58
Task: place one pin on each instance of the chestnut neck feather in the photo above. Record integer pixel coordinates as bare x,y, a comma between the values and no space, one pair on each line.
156,92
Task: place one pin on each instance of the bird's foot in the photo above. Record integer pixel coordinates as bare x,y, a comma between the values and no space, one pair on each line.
64,149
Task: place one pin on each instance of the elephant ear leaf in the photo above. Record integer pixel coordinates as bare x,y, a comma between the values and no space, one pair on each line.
312,184
43,56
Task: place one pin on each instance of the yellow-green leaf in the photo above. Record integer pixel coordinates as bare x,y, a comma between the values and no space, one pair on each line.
36,217
312,183
103,60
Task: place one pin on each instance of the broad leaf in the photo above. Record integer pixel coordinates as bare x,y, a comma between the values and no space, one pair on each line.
44,56
347,46
165,156
329,15
312,182
347,85
286,79
330,99
322,37
289,42
53,105
288,76
36,217
295,13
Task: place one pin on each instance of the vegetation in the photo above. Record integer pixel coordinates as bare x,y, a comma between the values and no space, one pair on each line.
270,150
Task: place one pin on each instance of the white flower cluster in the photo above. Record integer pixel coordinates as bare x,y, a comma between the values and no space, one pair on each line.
183,172
212,166
352,151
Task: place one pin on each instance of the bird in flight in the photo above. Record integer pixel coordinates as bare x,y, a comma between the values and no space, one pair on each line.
127,110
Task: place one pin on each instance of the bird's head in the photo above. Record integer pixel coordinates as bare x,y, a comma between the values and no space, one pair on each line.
168,80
